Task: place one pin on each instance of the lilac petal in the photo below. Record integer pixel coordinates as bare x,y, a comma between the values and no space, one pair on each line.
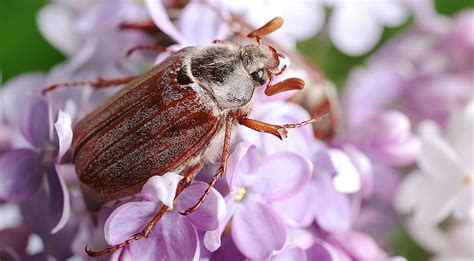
258,230
173,238
127,220
281,175
362,101
212,239
464,209
290,253
347,179
21,174
437,157
293,209
437,200
242,161
35,122
162,188
59,244
347,23
333,209
36,214
391,13
364,169
122,254
59,203
406,198
177,228
64,37
14,238
108,16
151,248
390,139
14,91
210,27
228,251
323,251
162,20
298,140
359,246
460,129
64,131
301,237
210,213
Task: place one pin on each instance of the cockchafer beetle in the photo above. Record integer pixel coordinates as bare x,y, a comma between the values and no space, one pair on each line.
176,117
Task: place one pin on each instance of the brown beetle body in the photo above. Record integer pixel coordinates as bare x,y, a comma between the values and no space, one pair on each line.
176,117
163,121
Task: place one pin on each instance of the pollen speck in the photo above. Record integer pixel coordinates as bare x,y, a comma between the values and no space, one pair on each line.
240,193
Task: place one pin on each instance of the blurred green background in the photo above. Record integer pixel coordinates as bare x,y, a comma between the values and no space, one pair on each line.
23,49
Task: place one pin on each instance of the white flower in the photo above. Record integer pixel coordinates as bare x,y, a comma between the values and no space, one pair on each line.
355,27
452,241
444,184
303,19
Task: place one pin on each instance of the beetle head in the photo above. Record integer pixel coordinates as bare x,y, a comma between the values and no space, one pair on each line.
259,61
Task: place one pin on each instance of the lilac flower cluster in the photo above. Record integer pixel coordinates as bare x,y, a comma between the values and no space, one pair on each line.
296,199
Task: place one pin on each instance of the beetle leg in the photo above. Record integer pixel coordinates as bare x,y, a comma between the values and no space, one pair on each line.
147,25
285,85
189,175
278,130
221,170
150,47
260,126
99,83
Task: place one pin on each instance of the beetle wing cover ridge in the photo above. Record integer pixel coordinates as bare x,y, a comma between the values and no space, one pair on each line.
151,127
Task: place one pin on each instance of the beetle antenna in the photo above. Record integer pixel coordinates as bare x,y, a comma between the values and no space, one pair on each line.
266,29
285,85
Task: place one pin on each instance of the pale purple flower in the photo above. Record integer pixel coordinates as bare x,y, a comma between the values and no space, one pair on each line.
351,245
83,23
337,175
94,44
387,138
23,170
257,227
290,252
175,236
37,214
425,74
198,22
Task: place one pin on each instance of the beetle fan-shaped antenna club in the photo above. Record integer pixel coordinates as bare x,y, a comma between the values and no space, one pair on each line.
285,85
267,28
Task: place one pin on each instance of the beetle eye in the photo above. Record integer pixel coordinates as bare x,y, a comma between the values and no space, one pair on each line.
258,76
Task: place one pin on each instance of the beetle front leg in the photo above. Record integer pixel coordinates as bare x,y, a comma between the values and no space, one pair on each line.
99,83
221,170
279,131
189,175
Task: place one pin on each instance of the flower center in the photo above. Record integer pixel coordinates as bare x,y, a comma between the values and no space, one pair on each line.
240,193
467,179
